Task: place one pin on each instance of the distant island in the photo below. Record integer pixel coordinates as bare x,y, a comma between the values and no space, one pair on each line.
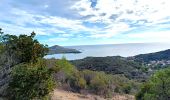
56,49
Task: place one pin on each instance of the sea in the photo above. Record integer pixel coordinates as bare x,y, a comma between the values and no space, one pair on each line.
124,50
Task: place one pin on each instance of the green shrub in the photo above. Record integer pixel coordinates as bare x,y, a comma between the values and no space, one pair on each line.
127,88
99,82
26,48
66,67
157,88
1,41
30,82
70,75
77,82
93,81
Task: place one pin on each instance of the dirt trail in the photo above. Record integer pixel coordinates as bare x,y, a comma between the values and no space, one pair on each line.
66,95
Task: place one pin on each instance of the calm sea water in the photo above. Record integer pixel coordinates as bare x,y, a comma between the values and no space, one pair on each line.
124,50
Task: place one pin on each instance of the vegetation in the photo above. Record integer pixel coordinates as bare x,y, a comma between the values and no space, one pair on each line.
1,45
157,88
157,56
112,65
26,48
29,78
87,81
30,82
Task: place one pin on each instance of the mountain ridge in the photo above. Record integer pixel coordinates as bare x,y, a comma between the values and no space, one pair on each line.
155,56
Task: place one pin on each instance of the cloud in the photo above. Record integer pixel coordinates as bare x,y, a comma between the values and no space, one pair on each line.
112,30
158,36
59,8
57,39
152,10
86,19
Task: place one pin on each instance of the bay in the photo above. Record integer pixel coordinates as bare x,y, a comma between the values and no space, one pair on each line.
124,50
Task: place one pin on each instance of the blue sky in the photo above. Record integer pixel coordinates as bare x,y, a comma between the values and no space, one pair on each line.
88,22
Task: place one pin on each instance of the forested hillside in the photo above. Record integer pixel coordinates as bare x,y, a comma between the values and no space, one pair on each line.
157,56
113,65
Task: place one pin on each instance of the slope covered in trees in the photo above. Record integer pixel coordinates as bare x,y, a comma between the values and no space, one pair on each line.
87,81
112,65
157,56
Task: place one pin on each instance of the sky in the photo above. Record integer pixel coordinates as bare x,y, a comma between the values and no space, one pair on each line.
88,22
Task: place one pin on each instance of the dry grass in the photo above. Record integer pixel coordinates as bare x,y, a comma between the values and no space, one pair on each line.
66,95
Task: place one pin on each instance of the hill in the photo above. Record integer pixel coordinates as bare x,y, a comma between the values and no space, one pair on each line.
157,56
112,65
153,61
59,49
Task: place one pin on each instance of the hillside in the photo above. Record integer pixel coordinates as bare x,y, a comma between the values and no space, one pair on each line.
157,56
59,49
112,65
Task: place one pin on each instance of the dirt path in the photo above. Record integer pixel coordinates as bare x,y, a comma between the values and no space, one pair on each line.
66,95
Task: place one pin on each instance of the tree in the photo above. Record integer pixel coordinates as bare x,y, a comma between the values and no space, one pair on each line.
1,41
1,34
29,78
66,67
157,88
30,82
26,48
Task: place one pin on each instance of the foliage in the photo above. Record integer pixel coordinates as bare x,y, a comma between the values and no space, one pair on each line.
84,80
108,84
30,82
64,66
157,88
26,48
67,73
76,82
93,81
157,56
112,65
1,41
31,79
102,84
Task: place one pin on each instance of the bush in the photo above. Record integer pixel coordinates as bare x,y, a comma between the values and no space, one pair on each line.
30,82
64,66
127,88
68,74
157,88
76,82
95,82
99,82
